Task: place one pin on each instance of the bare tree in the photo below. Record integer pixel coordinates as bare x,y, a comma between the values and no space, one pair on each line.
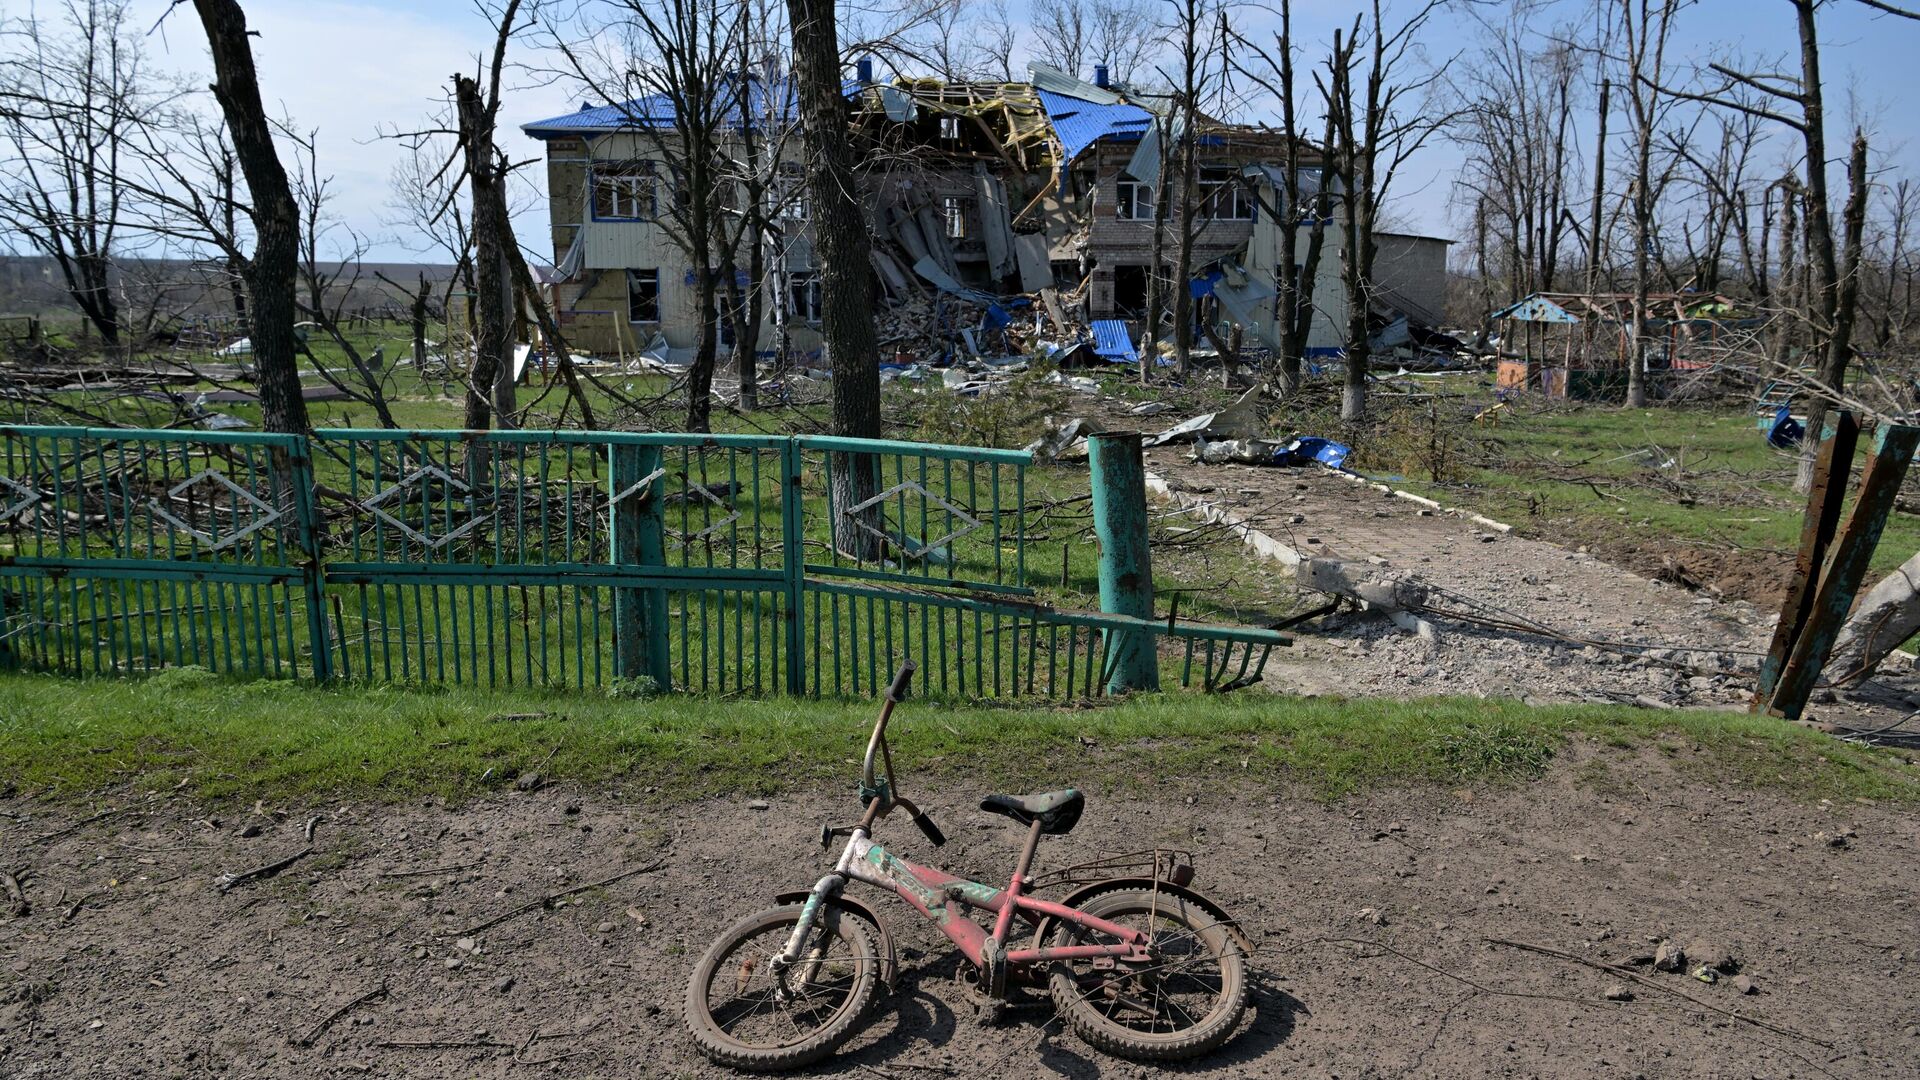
840,238
1646,26
490,393
1298,203
1375,131
73,92
1514,104
1798,102
273,269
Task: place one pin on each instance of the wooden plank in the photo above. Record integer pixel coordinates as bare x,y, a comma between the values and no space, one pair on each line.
1893,447
1824,501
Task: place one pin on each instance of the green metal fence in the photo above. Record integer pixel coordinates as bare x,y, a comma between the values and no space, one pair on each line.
708,563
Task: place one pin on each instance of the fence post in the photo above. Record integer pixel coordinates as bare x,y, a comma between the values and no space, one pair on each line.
1118,476
313,573
793,563
638,529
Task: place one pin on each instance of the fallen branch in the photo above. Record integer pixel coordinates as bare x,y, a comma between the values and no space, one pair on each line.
74,908
547,900
444,1044
76,826
226,882
314,1031
1654,984
15,884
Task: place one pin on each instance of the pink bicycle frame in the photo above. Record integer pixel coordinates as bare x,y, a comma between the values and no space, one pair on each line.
944,899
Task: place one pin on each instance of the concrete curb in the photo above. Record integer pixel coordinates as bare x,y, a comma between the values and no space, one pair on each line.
1262,544
1484,522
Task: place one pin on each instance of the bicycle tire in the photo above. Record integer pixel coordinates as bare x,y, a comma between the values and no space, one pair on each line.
1103,1032
722,1048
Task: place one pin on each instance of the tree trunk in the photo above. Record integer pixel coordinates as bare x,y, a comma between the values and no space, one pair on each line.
840,242
419,316
489,303
276,218
1888,615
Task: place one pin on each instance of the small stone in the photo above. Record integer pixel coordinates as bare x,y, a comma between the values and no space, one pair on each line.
1669,957
529,782
1371,915
503,984
604,928
452,962
249,831
1619,992
467,945
572,809
1744,984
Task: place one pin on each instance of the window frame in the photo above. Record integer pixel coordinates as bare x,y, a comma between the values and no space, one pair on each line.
639,277
803,296
634,182
1132,197
1218,184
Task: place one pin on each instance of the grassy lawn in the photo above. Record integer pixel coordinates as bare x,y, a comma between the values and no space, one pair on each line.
227,740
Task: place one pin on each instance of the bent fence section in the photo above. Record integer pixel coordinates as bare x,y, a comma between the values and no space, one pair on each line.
708,563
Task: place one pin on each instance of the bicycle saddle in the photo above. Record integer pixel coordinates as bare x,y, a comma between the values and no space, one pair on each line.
1056,811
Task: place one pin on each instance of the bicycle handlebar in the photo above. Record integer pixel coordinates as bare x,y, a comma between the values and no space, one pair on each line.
898,691
895,693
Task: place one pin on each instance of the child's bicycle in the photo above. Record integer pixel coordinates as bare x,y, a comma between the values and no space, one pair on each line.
1139,965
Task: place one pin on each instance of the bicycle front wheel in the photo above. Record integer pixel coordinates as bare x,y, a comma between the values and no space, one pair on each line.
1185,1001
742,1016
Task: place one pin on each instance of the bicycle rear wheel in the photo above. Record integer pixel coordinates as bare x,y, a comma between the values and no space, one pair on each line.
1185,1002
741,1016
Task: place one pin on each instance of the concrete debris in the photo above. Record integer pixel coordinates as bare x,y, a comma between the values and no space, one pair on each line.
1394,595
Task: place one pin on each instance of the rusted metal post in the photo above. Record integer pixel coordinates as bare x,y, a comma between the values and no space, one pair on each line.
1824,501
1118,475
639,541
1893,447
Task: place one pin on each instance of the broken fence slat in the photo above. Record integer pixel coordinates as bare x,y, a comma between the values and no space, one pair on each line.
1852,551
1824,501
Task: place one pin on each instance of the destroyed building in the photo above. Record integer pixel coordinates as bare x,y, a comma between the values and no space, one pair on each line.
1007,218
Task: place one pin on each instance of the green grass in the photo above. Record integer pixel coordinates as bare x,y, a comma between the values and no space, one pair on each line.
226,740
1600,472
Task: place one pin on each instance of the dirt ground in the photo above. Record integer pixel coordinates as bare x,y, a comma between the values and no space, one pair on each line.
1576,628
132,963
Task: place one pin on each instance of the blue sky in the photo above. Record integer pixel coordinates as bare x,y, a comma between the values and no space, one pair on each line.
347,67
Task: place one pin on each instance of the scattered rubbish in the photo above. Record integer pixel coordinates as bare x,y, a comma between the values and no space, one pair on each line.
1150,408
1785,432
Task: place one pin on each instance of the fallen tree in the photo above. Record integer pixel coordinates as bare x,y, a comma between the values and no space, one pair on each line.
1887,616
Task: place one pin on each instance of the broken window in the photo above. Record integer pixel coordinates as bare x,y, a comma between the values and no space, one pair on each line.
950,127
624,191
643,296
803,296
1130,290
1134,200
954,210
1223,198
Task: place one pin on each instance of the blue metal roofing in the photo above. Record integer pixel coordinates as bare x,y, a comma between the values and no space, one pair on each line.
1079,124
657,111
1112,342
1536,309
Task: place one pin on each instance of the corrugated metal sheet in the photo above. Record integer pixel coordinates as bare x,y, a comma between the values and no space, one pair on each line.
657,111
1079,124
1112,342
1536,309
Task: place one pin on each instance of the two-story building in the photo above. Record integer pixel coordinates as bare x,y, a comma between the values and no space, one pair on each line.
976,191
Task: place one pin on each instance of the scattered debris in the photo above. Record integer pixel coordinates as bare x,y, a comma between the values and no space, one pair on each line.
226,882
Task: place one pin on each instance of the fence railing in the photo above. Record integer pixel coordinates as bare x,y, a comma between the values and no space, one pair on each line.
710,563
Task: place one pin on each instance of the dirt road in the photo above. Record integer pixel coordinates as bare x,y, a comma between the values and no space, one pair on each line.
131,963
